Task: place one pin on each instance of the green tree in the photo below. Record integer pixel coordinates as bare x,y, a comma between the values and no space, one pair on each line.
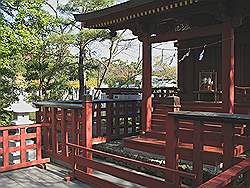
163,70
85,37
34,46
122,74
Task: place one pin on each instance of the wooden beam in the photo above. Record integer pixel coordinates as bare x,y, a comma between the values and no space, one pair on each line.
193,33
228,68
146,86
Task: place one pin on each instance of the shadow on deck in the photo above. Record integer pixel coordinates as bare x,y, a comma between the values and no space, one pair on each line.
35,177
53,177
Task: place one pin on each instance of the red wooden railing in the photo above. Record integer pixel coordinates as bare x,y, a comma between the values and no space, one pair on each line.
112,119
81,162
115,119
160,92
236,176
83,165
26,132
210,138
242,94
65,125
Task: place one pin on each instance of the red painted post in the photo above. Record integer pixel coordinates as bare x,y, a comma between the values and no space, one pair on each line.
87,127
228,146
46,135
63,132
38,115
125,110
171,156
54,132
198,152
228,68
134,115
38,143
74,126
117,120
5,148
247,178
146,86
23,145
98,119
109,119
172,104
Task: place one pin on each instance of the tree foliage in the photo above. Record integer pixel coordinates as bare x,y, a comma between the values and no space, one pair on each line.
85,37
163,70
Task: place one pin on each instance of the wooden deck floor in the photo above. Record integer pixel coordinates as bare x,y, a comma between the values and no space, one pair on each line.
52,177
34,177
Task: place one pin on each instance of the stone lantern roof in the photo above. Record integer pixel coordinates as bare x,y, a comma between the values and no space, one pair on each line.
21,106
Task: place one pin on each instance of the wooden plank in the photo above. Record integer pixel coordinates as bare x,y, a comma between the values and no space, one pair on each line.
132,161
93,180
124,174
18,148
212,138
20,126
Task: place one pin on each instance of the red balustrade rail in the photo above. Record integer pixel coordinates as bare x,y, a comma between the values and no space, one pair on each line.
65,125
83,166
206,138
115,119
158,93
242,94
15,147
110,119
236,176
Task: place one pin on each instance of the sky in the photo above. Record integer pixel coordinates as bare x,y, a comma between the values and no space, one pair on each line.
135,51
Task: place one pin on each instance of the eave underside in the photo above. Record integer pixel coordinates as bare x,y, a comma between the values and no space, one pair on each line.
155,16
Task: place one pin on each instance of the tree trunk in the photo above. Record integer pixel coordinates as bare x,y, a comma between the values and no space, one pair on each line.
81,73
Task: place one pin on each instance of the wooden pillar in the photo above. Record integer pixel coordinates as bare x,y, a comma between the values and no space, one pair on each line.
228,68
146,86
228,145
87,127
171,156
198,152
54,112
64,133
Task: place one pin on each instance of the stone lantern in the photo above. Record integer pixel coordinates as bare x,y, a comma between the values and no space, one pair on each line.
21,111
